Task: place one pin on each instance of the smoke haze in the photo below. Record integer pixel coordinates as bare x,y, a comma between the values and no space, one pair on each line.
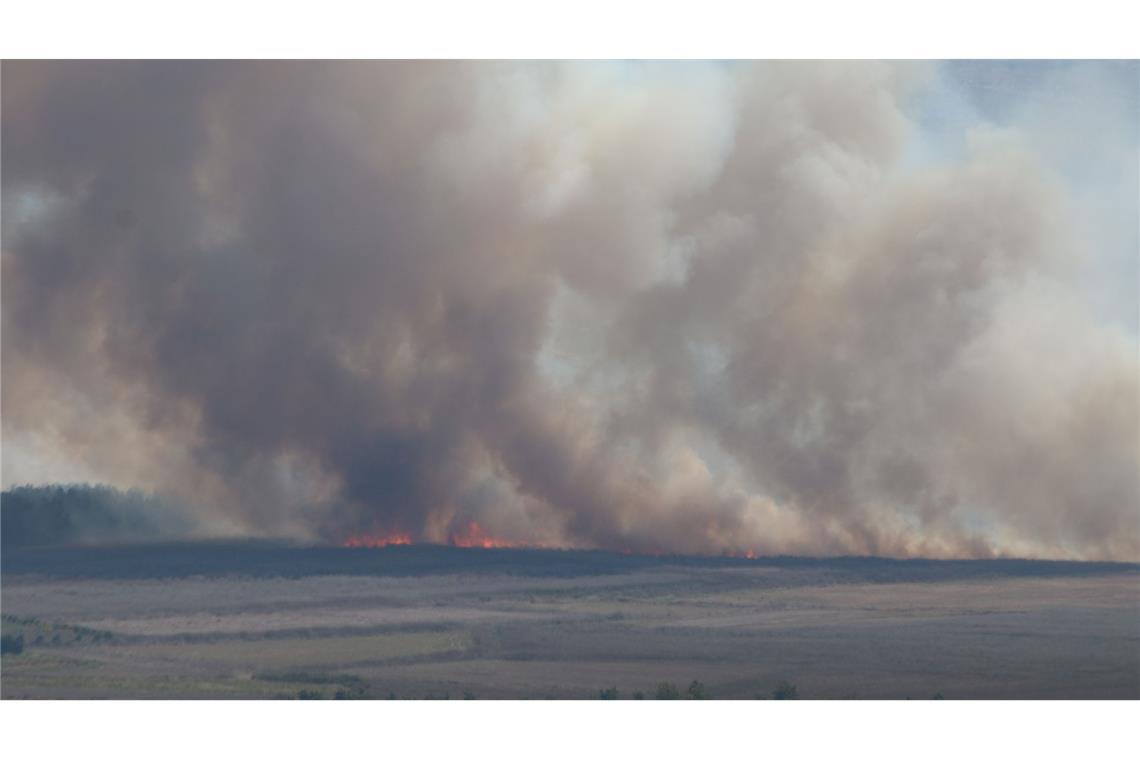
822,308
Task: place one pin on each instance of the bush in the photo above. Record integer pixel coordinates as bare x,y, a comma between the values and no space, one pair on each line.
639,695
785,690
11,643
309,694
357,693
666,690
697,691
610,693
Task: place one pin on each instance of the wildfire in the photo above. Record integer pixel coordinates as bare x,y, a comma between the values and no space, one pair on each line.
364,541
473,536
749,554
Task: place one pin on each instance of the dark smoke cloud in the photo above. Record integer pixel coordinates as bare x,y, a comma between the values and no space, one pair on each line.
656,307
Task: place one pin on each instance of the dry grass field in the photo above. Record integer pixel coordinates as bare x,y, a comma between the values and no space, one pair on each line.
429,622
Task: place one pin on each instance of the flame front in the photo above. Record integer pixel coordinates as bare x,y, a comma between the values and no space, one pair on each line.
364,541
470,536
473,536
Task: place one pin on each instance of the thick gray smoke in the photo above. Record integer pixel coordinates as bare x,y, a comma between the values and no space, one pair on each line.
651,307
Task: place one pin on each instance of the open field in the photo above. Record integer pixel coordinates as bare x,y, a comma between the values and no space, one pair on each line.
272,621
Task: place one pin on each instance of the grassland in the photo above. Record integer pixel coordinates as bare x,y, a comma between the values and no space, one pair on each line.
432,623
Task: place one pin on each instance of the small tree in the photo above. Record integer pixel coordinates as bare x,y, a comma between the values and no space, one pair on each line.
697,691
12,643
666,690
785,690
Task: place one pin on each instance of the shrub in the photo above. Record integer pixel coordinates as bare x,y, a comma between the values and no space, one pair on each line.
697,691
309,694
639,695
785,690
11,643
350,694
666,690
610,693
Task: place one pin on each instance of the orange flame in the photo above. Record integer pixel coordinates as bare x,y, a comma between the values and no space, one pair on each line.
473,536
364,541
749,554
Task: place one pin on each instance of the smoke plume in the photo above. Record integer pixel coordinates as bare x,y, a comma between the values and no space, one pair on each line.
654,307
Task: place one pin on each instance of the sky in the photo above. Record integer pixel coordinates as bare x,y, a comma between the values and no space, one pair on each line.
816,308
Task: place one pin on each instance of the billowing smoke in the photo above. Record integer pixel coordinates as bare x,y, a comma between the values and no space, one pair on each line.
678,307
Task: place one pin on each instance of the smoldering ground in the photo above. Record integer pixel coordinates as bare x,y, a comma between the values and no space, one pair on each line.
678,307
